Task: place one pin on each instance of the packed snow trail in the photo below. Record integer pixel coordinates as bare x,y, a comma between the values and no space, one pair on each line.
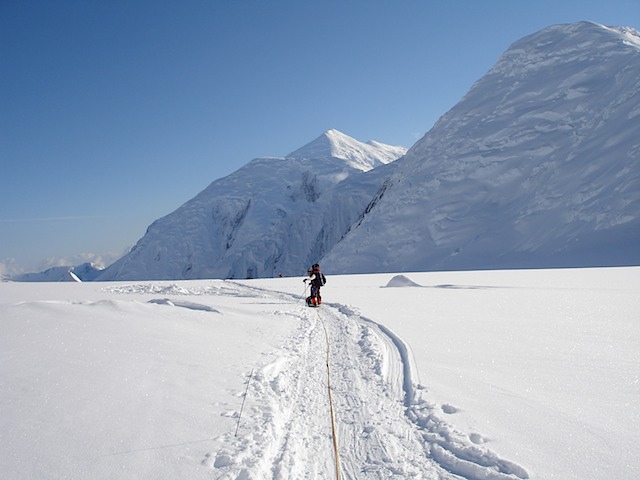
331,410
384,428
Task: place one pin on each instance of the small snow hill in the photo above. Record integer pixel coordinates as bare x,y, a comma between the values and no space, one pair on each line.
401,281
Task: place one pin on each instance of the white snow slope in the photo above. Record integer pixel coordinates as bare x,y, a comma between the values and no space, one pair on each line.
272,216
537,166
476,375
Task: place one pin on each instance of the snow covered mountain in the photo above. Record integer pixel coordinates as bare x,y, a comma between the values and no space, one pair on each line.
272,216
537,166
86,272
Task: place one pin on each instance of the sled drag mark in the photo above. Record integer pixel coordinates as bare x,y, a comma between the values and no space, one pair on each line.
287,434
377,441
455,452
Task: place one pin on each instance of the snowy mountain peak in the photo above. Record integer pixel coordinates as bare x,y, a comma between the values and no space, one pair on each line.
272,216
558,43
359,155
536,166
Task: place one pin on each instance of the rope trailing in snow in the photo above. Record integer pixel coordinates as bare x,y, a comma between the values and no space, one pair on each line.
244,398
333,421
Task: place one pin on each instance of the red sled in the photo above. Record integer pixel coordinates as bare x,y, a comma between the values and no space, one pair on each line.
314,301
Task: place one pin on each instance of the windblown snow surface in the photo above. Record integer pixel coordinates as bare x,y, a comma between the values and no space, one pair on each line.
476,375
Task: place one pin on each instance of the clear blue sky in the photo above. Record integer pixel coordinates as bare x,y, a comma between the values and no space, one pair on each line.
114,113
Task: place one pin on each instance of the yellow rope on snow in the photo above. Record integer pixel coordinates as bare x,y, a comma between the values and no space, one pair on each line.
333,422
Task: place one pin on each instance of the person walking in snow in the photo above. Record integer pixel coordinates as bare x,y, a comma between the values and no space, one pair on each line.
316,280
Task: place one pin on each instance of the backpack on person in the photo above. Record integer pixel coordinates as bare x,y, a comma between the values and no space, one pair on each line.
320,280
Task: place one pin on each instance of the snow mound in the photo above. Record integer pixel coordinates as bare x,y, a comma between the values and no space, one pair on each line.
190,305
401,281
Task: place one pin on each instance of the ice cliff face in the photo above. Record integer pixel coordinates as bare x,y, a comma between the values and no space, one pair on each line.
273,216
537,166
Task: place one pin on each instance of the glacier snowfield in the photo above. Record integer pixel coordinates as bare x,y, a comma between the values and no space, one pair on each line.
485,374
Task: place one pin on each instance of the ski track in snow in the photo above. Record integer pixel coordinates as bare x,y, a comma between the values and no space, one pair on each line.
385,428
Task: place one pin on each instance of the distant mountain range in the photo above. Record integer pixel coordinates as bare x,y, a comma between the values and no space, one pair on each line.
537,166
85,272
